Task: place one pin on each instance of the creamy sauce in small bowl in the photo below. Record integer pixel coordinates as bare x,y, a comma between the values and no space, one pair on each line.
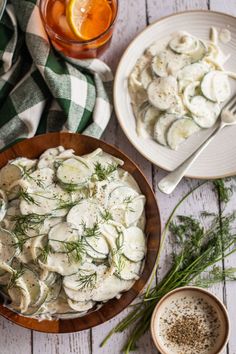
190,320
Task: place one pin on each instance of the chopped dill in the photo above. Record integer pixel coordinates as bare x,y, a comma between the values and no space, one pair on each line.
14,277
27,222
224,192
106,215
90,231
87,280
27,197
45,251
101,172
26,173
74,249
127,201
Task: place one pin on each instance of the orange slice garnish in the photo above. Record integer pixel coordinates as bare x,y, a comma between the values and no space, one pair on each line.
88,18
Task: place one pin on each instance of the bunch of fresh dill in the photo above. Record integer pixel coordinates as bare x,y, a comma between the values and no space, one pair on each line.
199,249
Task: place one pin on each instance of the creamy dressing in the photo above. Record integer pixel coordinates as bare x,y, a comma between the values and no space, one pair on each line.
71,233
160,81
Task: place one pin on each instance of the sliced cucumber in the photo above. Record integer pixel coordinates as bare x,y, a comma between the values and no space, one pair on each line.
54,290
24,163
61,263
98,244
161,92
149,114
7,246
87,270
3,204
215,86
184,43
180,130
9,174
40,179
49,201
161,127
74,171
121,196
168,63
111,287
80,306
146,76
128,270
85,214
134,246
205,113
134,210
191,73
94,254
61,233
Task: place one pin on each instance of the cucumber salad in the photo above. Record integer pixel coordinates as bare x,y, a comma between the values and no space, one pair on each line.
178,87
71,233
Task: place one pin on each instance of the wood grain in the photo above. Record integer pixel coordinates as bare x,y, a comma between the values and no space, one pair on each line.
81,144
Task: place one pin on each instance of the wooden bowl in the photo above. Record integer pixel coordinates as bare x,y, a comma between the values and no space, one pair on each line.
82,144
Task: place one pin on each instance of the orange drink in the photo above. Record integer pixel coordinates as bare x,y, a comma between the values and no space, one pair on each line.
79,28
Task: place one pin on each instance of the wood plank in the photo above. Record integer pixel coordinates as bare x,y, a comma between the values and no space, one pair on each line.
76,343
229,6
14,339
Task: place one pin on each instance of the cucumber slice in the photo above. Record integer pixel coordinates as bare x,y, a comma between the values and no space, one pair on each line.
146,76
110,287
94,254
9,174
7,246
121,196
191,73
54,290
168,63
60,233
24,163
128,270
184,43
98,244
74,171
180,130
150,115
3,204
61,263
205,113
80,306
87,271
215,86
161,92
40,179
85,214
134,246
161,127
49,201
134,210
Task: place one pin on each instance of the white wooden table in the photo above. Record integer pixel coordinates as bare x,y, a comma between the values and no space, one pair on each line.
134,15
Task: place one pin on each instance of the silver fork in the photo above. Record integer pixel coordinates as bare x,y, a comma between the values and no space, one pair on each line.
170,182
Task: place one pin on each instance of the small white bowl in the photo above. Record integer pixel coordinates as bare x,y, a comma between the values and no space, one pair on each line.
189,291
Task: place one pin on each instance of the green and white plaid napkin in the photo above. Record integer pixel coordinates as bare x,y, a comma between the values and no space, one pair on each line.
40,91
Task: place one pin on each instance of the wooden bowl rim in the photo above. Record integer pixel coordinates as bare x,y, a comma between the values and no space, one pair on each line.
97,317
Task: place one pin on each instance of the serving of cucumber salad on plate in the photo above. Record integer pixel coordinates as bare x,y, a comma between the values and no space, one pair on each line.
71,233
178,86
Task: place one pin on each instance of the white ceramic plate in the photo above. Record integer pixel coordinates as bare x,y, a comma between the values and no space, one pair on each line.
219,158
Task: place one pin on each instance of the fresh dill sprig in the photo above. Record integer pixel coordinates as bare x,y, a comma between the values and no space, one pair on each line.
69,187
26,173
27,222
87,280
90,231
224,192
14,277
45,251
118,259
127,201
74,249
101,172
66,205
27,197
106,215
21,240
216,275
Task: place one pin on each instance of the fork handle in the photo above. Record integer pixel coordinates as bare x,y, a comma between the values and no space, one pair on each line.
170,182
